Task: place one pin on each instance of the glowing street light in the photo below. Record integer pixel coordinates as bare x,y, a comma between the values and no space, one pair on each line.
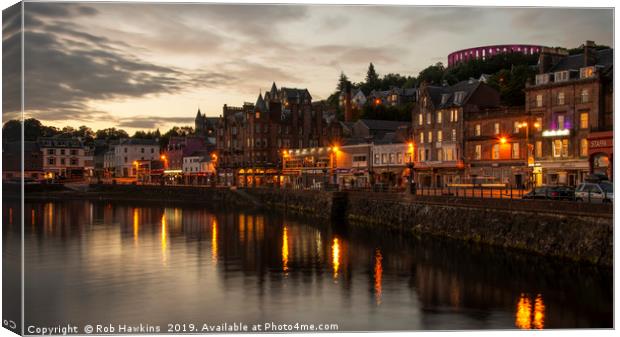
502,140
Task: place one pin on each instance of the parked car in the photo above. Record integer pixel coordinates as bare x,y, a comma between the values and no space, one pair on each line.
551,193
595,192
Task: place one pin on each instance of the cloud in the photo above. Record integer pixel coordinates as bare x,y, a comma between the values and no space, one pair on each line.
452,20
147,122
332,23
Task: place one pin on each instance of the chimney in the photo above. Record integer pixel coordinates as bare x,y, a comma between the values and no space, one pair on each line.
550,57
348,109
589,54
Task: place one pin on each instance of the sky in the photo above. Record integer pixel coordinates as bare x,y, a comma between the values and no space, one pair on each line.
140,66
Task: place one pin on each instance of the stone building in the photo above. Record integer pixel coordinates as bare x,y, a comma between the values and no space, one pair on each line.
251,138
125,157
571,97
63,157
438,128
496,146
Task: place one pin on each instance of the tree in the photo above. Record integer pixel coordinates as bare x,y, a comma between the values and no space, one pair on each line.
372,78
111,134
342,82
511,82
433,74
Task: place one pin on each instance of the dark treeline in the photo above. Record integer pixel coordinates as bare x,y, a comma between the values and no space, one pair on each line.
33,129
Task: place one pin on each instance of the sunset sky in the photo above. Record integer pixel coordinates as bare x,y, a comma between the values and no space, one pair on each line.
142,66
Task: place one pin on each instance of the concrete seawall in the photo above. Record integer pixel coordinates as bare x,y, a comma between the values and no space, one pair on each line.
578,232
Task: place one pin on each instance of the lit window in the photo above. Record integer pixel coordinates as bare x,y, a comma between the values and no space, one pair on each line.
477,130
421,137
538,149
539,123
496,128
561,100
478,153
539,101
586,72
583,147
428,118
420,119
430,136
585,96
516,127
561,122
454,135
515,150
583,120
495,152
560,148
440,136
439,117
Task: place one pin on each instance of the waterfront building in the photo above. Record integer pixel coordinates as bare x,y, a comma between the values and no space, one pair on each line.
180,147
206,128
63,157
496,146
438,128
126,156
11,161
251,138
572,97
390,163
198,168
482,53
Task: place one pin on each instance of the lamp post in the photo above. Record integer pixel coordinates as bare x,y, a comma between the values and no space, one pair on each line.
412,187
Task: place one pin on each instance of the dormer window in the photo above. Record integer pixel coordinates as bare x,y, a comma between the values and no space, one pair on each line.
561,76
542,79
586,72
458,97
257,116
444,98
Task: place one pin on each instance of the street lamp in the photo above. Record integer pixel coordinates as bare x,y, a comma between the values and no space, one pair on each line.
412,187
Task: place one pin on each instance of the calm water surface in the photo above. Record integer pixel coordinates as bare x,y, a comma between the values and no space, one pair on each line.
99,263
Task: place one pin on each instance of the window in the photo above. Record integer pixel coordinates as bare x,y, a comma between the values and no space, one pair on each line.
458,97
585,96
561,76
51,161
561,122
377,158
583,120
539,122
399,158
421,155
74,162
439,117
516,127
495,153
421,137
449,155
383,158
62,152
454,135
586,72
50,152
420,119
560,148
142,150
430,136
454,115
152,150
561,99
428,118
542,79
125,149
478,153
539,101
440,136
583,147
444,98
62,161
257,115
477,130
496,128
515,150
74,152
538,149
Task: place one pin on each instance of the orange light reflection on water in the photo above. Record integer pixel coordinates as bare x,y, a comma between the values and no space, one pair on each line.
528,317
214,241
336,256
136,225
285,249
164,238
378,275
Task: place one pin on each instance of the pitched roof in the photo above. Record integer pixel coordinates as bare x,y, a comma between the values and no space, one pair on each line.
138,141
383,125
437,93
260,104
604,58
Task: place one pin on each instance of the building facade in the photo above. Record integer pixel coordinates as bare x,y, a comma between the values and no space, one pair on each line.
571,98
438,129
63,157
251,138
128,154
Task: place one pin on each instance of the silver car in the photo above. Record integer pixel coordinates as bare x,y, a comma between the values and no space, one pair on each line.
595,192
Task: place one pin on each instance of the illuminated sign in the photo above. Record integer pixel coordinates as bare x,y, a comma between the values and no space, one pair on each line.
556,133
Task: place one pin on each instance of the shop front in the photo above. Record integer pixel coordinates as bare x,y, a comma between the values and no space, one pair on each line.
600,153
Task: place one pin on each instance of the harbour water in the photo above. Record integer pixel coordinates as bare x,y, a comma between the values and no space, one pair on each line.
118,263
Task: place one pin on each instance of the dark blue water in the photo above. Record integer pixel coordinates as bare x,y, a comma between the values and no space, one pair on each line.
104,263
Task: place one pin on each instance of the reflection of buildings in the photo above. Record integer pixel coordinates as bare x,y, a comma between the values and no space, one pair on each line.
572,95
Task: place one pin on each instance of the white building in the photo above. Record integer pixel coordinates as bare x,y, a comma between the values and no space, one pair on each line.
64,157
195,165
128,152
